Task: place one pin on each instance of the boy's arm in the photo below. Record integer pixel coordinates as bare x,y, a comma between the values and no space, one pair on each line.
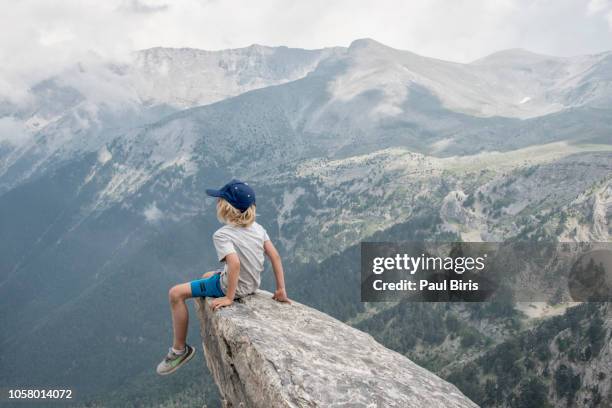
280,294
233,272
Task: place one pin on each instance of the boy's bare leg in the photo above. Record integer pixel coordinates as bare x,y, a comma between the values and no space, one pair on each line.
180,315
208,274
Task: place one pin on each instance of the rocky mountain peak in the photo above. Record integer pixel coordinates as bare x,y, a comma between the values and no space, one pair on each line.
262,353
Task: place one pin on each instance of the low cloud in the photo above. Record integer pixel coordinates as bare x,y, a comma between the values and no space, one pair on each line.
13,131
601,8
153,214
142,6
47,37
598,6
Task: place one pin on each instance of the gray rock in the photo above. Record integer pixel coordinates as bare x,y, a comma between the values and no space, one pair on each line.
262,353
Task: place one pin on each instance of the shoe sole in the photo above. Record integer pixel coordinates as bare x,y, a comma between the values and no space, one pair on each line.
182,363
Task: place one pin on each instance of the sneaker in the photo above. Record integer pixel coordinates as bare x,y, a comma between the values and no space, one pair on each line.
173,361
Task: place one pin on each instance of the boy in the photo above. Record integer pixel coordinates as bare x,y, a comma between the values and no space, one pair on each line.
241,244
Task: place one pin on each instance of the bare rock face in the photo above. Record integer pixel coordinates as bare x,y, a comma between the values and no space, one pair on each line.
262,353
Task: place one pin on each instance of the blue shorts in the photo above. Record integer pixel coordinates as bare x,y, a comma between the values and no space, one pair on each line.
209,287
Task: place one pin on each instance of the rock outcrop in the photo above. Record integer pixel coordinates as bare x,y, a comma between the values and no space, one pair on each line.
262,353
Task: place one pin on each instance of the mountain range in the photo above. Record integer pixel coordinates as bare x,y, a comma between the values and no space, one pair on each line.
102,203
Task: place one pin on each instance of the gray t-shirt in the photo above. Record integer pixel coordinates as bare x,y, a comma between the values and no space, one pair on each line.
248,243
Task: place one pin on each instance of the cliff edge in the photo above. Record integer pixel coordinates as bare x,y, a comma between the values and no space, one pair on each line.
262,353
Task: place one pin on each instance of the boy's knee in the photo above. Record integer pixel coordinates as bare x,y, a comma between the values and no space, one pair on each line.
175,294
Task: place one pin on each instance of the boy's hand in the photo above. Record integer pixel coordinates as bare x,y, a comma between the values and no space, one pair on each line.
281,296
218,303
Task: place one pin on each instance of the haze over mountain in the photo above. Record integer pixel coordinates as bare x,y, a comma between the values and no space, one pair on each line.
103,172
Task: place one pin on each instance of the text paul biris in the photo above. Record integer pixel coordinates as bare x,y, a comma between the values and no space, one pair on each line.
412,265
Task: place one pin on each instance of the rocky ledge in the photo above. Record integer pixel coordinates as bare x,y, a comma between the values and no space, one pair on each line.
262,353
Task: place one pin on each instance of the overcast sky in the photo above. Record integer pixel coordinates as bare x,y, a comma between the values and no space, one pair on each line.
40,37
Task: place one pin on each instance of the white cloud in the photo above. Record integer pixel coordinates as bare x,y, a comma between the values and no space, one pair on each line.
104,155
603,8
597,6
142,6
152,213
13,131
43,37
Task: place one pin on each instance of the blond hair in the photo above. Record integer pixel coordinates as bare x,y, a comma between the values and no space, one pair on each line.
228,214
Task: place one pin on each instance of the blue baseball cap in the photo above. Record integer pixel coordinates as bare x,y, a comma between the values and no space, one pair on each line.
240,195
